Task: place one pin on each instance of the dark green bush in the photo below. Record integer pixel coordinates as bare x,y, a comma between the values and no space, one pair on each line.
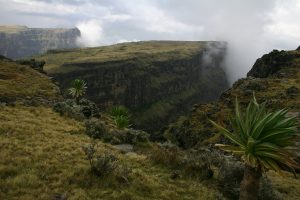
122,121
136,136
119,111
89,108
121,116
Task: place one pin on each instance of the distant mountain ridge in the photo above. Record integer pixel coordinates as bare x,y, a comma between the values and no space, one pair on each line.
21,41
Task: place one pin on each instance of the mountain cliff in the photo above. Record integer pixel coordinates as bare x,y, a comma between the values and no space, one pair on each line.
156,80
21,41
274,78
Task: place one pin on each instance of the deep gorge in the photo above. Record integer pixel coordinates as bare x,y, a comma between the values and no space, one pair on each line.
157,87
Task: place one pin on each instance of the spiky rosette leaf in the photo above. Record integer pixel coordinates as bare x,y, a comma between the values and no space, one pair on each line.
263,139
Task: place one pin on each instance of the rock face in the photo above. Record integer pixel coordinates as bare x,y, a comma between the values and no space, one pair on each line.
156,80
271,63
20,41
275,80
298,48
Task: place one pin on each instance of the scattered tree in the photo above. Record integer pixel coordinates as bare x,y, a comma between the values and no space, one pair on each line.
78,89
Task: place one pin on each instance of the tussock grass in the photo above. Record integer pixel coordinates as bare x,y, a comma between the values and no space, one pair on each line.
286,184
41,156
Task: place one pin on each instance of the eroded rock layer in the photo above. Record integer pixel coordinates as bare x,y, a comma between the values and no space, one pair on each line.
21,41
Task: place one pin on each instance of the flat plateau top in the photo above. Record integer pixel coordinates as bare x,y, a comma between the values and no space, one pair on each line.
149,51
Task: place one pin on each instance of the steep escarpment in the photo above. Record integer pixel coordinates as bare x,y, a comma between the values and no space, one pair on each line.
274,78
21,41
156,80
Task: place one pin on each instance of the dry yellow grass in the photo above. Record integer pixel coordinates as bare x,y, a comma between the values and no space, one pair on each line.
12,29
20,82
286,184
41,155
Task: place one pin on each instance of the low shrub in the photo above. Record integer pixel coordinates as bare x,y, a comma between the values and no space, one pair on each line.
85,109
96,129
199,163
119,111
89,108
167,154
121,116
70,109
101,164
106,164
129,136
122,121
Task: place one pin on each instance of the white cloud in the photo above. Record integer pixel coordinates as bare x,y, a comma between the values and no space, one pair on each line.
250,27
91,33
285,24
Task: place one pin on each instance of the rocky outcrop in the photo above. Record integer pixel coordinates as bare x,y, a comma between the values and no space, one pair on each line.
156,86
271,63
298,48
20,41
274,79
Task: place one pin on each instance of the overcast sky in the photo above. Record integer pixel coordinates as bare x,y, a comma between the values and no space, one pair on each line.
251,27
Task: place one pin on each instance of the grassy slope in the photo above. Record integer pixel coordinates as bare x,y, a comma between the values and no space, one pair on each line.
41,152
153,50
12,29
22,82
41,155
